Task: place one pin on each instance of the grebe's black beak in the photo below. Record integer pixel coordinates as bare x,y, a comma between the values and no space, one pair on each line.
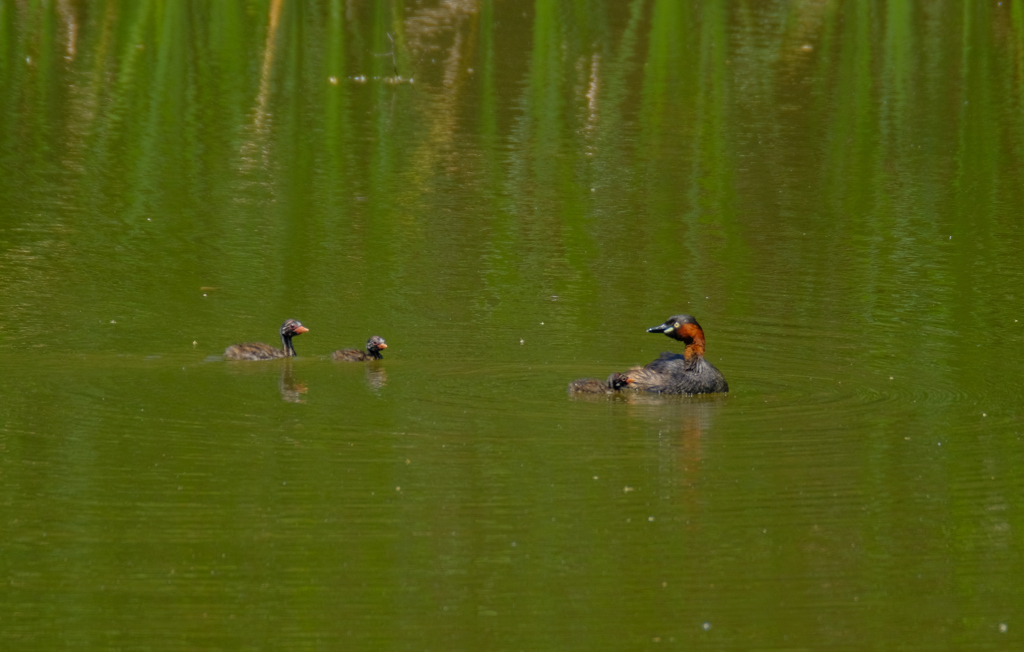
663,328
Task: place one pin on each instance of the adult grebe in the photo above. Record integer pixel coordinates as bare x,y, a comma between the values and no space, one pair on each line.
672,373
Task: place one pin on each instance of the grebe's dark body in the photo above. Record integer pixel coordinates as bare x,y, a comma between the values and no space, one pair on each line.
374,346
261,351
613,384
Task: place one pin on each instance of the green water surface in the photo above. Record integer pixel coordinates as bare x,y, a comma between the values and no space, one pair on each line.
511,193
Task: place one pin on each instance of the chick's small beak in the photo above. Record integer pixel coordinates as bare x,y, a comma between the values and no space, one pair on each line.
382,345
301,329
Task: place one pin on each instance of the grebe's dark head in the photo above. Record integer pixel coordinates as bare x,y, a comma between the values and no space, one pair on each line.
681,327
289,329
617,381
292,327
374,345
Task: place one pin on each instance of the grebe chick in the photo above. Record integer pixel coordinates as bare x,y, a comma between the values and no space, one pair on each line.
261,351
672,373
374,345
611,385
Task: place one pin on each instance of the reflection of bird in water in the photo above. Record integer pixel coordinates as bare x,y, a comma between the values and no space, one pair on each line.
684,428
611,385
291,389
672,373
374,346
376,377
261,351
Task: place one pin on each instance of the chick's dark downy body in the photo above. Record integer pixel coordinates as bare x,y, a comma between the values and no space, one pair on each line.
611,385
374,346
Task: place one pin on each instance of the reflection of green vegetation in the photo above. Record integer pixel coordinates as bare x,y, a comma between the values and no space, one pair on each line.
151,104
9,57
600,138
174,84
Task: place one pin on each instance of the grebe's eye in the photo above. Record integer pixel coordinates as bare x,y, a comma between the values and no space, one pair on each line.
676,326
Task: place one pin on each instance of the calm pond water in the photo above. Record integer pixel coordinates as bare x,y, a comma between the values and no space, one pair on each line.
511,193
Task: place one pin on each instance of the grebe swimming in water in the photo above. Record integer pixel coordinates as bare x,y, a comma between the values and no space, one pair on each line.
613,384
261,351
372,352
672,373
